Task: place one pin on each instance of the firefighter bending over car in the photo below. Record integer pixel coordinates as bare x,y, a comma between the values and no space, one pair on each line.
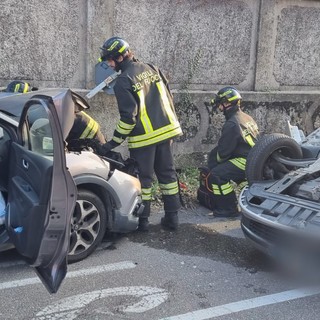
149,121
85,130
227,161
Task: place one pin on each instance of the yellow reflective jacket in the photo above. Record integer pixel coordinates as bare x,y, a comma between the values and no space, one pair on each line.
85,127
147,114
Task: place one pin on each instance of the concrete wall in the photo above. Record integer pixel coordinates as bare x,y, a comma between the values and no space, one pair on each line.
268,49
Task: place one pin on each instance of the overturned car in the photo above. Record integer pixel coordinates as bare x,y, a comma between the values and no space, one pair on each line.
281,204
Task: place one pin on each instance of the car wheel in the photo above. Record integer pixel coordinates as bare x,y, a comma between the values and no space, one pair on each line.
88,225
260,162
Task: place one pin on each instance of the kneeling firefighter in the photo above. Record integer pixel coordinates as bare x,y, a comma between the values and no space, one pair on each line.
227,161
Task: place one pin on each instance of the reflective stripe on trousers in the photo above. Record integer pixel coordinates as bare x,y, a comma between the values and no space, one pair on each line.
222,189
146,194
169,188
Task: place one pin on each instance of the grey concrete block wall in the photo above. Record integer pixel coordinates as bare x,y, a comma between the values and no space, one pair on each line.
198,43
43,42
288,56
268,49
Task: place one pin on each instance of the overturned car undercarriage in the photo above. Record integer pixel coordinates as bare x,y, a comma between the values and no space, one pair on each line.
281,211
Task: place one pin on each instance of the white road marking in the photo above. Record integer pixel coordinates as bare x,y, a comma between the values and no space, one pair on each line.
11,264
234,307
71,274
71,307
68,309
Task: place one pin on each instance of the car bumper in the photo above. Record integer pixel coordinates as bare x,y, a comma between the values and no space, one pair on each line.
128,190
258,234
270,219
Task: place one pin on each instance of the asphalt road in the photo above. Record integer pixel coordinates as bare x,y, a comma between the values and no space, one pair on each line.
206,270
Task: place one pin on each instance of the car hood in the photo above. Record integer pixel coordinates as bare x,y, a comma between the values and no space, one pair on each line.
65,108
88,163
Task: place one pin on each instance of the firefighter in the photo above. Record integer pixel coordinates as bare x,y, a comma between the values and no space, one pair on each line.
84,130
227,161
18,86
149,121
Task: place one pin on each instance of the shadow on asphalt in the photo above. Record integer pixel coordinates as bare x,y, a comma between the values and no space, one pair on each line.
197,240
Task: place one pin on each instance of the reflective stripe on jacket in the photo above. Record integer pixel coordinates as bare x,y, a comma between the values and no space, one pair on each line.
84,127
238,136
147,114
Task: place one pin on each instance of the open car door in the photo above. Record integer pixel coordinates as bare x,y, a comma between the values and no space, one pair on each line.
41,193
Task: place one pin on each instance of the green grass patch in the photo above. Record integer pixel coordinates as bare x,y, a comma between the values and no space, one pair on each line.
189,183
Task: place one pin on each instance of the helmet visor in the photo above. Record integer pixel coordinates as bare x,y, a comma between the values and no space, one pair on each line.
104,55
216,101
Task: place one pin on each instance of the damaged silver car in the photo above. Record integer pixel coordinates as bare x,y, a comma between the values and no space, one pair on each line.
107,198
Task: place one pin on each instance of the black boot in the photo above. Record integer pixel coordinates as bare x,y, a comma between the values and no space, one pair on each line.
226,206
230,213
170,221
143,225
143,218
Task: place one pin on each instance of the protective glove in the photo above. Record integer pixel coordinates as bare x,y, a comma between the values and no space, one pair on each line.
104,149
79,144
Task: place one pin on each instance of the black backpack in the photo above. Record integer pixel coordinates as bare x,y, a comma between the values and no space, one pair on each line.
204,193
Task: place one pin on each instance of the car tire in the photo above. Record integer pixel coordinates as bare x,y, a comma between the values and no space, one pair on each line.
260,164
88,225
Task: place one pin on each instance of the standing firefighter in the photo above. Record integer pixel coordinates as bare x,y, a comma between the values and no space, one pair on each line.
149,121
227,161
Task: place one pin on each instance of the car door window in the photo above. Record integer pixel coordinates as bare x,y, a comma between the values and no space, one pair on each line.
36,133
